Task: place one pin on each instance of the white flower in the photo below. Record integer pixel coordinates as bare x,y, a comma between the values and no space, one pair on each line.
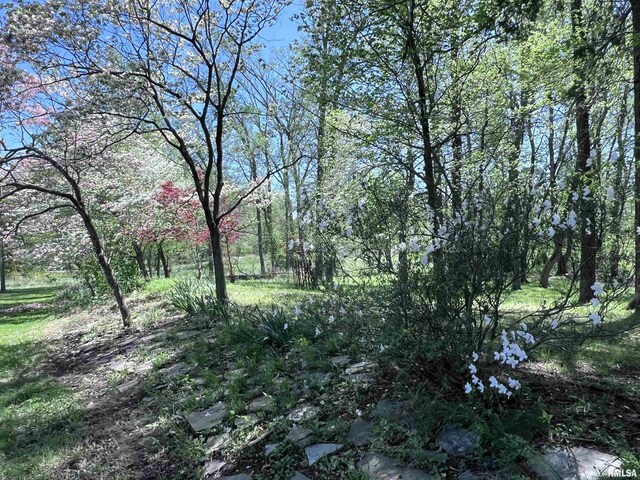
297,311
480,387
555,220
402,246
610,193
290,244
547,204
382,348
637,230
493,381
586,191
349,232
475,357
487,319
331,319
361,203
472,368
614,157
496,355
425,259
207,414
286,326
502,389
535,222
318,331
551,232
468,388
595,318
572,219
414,245
515,384
554,324
227,429
575,196
598,289
358,412
595,302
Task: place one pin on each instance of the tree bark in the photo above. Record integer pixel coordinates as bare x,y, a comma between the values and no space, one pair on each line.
635,12
163,259
137,248
3,268
103,261
588,240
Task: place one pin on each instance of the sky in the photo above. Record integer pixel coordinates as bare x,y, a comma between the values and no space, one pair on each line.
284,31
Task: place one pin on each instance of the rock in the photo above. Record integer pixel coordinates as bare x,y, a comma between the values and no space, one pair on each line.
238,372
319,450
431,456
379,467
361,378
241,476
303,413
89,346
216,443
264,402
269,448
149,338
179,368
125,387
143,367
213,466
458,442
575,463
340,360
313,377
388,409
206,419
126,342
183,335
246,421
361,367
121,365
299,476
299,436
360,433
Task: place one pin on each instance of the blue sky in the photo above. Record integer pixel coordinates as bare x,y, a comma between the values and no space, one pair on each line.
284,30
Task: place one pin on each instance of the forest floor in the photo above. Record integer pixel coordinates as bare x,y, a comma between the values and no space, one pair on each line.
82,399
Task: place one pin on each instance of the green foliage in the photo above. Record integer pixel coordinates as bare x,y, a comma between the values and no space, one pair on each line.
197,297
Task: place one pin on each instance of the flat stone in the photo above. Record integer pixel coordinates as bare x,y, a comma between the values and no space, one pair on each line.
143,367
431,456
360,433
121,365
361,378
183,335
386,408
340,360
179,368
213,466
319,450
303,413
299,476
126,342
264,402
246,421
299,436
361,367
458,442
269,448
217,443
241,476
149,338
312,376
206,419
89,346
379,467
125,387
575,463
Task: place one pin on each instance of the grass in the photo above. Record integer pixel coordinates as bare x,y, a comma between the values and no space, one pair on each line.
577,397
39,416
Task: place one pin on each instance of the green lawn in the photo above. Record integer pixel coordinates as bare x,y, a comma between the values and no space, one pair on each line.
38,415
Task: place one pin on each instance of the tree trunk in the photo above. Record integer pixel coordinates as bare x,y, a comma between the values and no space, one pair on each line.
137,248
588,240
218,265
635,12
3,267
163,259
109,276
